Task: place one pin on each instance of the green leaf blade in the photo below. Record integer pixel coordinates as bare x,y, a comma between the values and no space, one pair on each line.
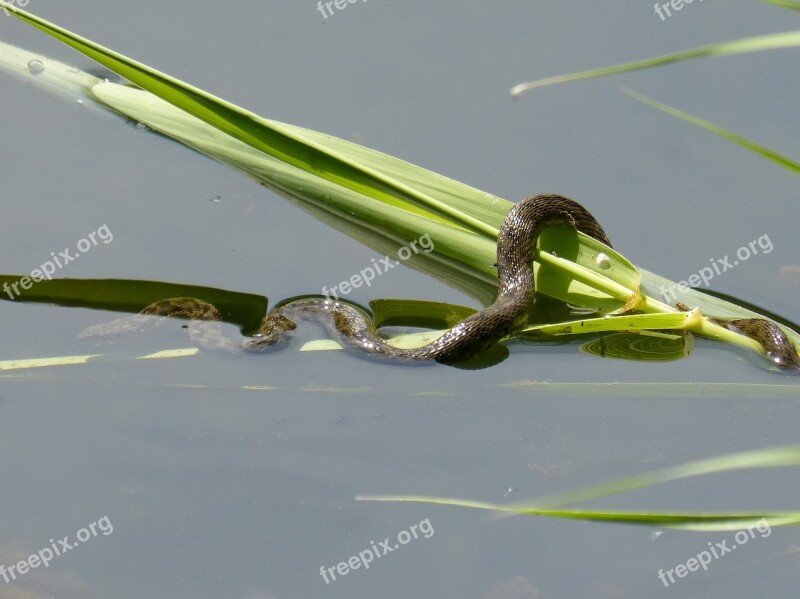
759,43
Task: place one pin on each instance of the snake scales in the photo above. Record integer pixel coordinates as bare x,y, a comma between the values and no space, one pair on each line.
515,249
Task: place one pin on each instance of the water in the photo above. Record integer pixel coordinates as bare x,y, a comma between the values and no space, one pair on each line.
237,477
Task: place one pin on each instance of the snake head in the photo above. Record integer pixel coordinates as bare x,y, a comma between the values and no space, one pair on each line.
271,334
785,360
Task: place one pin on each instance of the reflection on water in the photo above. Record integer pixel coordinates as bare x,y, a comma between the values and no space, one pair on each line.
237,477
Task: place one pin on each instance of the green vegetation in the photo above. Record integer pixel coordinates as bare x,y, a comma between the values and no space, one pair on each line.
385,202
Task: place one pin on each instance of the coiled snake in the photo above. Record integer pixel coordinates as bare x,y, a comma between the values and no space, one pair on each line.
515,250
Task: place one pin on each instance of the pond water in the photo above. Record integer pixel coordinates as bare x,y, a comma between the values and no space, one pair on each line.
208,476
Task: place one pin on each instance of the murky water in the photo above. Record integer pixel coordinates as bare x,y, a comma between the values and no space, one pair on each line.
236,477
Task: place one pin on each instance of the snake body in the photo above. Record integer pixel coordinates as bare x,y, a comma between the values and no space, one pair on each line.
778,347
515,250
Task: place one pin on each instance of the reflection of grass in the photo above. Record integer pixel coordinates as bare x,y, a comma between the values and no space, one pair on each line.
372,195
381,199
552,506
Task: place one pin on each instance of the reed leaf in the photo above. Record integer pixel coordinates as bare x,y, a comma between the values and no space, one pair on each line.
374,197
772,41
792,4
779,457
763,151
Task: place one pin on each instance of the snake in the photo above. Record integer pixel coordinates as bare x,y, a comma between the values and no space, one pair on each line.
475,334
778,348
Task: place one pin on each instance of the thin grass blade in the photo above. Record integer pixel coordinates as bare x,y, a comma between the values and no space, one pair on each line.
550,506
763,151
792,4
759,43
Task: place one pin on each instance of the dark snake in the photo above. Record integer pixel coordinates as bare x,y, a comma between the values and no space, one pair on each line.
516,244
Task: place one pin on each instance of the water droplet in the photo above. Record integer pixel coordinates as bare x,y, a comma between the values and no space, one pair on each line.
104,74
35,66
603,261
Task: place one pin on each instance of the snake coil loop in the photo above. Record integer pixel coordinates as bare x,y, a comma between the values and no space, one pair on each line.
515,249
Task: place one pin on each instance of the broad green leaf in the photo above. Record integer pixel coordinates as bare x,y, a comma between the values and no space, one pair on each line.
285,144
607,288
374,197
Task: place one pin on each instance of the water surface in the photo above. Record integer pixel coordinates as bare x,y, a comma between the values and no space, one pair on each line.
237,477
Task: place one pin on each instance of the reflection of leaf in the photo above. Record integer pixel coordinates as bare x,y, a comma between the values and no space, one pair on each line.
771,41
550,506
371,194
567,391
403,312
243,309
645,346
